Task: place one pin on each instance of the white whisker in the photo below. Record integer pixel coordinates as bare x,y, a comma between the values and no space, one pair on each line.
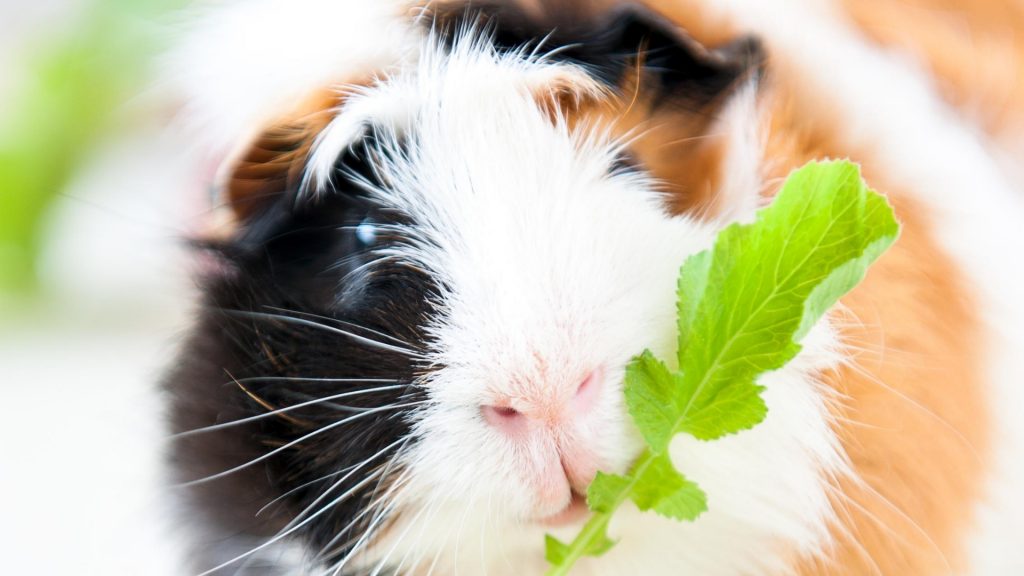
333,329
376,501
298,522
346,323
288,409
285,532
367,460
374,522
307,380
280,449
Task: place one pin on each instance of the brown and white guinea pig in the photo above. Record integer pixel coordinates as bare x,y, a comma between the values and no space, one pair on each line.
450,227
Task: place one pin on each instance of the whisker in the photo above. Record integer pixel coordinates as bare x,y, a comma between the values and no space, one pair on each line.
278,411
462,526
917,405
378,454
328,548
848,531
297,441
398,541
367,533
380,472
298,522
381,258
899,511
345,323
432,510
325,327
285,532
307,380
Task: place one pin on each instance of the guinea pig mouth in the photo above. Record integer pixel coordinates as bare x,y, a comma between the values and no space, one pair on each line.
575,511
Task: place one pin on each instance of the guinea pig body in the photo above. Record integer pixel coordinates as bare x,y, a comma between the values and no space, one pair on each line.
409,358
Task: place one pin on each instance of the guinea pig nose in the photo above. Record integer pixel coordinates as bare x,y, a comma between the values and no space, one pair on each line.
588,391
503,417
550,407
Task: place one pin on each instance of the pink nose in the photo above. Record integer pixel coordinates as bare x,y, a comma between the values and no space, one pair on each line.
513,416
522,418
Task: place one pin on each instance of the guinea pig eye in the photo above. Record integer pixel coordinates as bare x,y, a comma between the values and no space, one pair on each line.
366,233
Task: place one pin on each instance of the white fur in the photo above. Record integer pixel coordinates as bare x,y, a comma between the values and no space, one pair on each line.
741,174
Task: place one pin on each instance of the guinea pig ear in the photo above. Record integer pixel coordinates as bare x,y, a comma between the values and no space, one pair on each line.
676,67
271,164
698,108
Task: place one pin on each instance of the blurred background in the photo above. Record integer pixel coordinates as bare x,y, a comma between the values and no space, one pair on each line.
92,283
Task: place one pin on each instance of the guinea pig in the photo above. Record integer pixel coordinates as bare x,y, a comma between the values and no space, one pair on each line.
450,226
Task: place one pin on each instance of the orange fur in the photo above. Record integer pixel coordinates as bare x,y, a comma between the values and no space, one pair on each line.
974,49
274,159
913,419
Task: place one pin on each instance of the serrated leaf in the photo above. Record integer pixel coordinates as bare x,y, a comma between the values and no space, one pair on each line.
743,306
606,491
690,288
733,409
662,489
652,395
773,280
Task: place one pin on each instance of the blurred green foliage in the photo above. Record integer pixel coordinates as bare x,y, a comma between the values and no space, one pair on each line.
77,84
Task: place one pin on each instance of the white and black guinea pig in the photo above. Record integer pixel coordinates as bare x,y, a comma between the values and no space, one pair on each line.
451,226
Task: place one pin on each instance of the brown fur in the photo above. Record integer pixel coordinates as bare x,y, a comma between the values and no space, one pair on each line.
913,420
274,159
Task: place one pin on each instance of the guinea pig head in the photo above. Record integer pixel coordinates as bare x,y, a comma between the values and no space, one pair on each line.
450,265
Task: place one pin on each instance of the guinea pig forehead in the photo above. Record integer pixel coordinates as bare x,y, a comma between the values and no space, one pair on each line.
392,106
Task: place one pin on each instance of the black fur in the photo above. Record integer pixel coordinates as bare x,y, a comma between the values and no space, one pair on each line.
294,263
609,43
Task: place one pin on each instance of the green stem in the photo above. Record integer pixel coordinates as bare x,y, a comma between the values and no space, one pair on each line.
595,527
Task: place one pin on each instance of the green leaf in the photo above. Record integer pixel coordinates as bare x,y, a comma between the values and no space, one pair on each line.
732,409
773,280
662,489
652,395
607,491
599,545
690,288
743,306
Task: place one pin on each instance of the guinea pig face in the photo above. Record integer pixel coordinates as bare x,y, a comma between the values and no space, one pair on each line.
443,290
551,263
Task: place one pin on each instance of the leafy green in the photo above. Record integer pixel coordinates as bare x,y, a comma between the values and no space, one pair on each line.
743,306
